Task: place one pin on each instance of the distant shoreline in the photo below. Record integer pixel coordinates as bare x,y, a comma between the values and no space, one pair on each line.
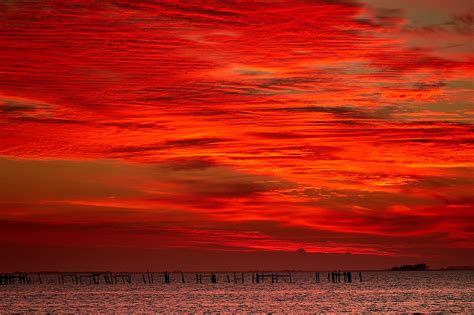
454,268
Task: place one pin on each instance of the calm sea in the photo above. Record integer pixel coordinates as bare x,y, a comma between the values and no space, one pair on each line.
430,291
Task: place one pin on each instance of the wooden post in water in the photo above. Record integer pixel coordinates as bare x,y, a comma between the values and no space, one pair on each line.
94,278
106,278
241,278
166,275
28,279
213,278
182,277
228,278
21,278
360,276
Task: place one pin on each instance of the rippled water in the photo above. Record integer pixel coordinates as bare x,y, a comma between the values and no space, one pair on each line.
431,291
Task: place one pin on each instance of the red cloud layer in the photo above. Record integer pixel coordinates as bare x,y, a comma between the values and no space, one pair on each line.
237,126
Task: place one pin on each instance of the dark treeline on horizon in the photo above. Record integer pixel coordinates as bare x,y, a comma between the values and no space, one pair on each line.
417,267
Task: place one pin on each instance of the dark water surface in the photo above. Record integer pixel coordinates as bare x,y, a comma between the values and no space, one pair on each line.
430,291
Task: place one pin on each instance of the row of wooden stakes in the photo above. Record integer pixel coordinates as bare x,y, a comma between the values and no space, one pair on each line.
151,277
11,278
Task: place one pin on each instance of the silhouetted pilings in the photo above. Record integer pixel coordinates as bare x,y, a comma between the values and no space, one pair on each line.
39,278
74,278
151,277
94,277
16,277
106,276
258,277
112,278
235,277
239,279
317,278
125,277
212,277
338,276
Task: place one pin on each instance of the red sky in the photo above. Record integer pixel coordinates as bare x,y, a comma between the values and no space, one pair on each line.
188,134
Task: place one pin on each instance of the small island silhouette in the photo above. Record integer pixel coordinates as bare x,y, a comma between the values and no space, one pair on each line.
417,267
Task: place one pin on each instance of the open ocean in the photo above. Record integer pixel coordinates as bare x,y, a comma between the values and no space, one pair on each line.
422,291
